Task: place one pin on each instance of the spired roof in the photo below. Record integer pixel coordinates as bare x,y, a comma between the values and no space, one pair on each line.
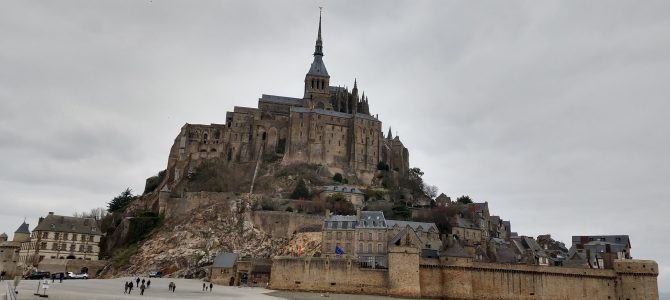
23,228
68,224
224,260
318,68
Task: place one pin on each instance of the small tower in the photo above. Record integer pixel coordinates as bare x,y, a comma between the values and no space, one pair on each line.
3,237
22,234
389,136
317,80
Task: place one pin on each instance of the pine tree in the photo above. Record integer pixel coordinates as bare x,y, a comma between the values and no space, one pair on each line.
300,191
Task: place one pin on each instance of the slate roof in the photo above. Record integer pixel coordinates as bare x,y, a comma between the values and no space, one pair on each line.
68,224
340,222
225,260
371,219
23,228
456,250
612,239
463,223
478,207
331,113
281,100
318,67
414,225
341,189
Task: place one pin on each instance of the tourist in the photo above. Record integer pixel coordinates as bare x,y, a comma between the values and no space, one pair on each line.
211,285
2,275
174,286
142,287
130,287
143,281
137,281
148,283
203,286
125,288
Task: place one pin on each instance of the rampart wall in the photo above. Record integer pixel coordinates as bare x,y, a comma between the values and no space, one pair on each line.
340,275
463,279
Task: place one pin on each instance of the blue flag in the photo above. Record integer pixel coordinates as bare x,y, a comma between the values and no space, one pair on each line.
338,250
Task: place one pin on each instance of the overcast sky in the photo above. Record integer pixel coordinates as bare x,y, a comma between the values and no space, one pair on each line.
556,113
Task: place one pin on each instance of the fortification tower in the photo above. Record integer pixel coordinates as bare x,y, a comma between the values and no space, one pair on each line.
317,80
22,234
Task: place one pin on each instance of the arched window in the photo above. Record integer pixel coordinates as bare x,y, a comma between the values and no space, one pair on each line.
312,83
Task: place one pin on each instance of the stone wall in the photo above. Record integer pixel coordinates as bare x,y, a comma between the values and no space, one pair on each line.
173,207
330,274
461,278
281,224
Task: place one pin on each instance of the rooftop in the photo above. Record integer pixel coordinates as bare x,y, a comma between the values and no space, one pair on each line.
68,224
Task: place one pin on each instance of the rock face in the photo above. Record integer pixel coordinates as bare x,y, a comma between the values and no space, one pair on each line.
187,243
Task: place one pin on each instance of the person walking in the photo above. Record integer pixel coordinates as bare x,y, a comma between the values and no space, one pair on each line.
211,286
142,287
148,283
203,286
130,287
170,286
125,288
174,286
137,281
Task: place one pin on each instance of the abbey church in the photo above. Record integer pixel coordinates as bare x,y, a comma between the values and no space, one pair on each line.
329,125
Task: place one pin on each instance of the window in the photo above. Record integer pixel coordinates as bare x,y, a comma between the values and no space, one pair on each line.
81,248
45,235
369,247
90,248
349,235
339,235
43,245
348,247
66,236
328,247
360,247
56,236
360,237
380,236
379,248
370,236
72,247
90,238
329,235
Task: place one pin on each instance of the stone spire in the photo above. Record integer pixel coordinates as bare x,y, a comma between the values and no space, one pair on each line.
389,136
318,48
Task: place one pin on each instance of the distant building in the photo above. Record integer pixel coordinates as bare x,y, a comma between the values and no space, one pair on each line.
9,255
599,251
223,269
61,237
465,230
339,232
428,234
353,194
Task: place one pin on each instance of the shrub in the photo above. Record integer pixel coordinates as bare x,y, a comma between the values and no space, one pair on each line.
338,177
152,182
289,209
300,191
464,199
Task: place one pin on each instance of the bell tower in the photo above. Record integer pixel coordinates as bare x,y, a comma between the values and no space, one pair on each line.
317,80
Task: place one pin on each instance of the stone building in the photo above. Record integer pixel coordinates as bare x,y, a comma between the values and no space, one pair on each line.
223,269
353,194
328,125
362,236
428,234
61,237
599,251
9,255
465,230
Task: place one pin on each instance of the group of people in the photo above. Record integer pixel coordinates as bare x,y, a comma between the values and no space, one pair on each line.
145,284
206,288
129,285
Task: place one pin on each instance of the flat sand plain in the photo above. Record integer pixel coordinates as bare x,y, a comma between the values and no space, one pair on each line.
110,289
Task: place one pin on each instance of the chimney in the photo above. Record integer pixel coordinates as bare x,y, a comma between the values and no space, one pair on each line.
40,220
51,213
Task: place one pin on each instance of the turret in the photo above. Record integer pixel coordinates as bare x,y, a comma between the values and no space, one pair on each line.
22,234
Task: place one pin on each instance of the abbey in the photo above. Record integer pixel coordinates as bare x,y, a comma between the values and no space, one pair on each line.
329,126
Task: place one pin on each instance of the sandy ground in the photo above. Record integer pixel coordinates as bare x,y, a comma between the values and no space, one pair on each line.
109,289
